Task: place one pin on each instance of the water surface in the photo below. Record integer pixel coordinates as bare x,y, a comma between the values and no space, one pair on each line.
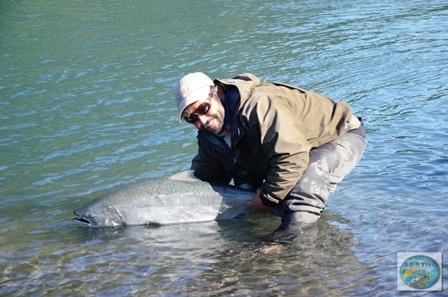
86,106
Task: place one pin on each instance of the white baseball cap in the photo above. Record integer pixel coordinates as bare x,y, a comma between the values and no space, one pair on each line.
191,88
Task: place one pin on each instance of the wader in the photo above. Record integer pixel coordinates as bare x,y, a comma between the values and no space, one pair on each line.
328,165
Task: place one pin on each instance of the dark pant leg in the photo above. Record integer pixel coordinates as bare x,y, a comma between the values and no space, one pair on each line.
328,165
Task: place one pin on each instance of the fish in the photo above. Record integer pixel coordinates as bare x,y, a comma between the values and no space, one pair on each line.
179,198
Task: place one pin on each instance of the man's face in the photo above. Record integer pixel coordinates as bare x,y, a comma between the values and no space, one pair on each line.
213,119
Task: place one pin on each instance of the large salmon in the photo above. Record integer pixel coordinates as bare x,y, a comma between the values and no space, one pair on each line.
179,198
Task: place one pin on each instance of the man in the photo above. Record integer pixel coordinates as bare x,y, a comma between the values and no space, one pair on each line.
289,145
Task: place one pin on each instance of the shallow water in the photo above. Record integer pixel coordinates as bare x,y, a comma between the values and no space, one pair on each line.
86,106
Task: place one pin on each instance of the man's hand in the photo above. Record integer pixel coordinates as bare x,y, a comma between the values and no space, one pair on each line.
256,205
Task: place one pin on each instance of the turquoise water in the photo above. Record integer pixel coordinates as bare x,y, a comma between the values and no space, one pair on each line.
86,106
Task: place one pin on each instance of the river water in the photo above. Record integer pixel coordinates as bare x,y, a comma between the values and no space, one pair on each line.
86,106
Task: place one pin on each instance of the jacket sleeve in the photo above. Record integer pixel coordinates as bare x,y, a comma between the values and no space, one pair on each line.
282,138
207,165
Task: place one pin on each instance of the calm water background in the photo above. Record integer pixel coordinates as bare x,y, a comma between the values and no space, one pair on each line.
86,106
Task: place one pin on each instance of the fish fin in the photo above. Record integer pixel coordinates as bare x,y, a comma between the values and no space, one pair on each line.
187,175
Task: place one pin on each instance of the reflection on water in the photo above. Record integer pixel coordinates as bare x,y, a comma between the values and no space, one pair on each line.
86,106
223,257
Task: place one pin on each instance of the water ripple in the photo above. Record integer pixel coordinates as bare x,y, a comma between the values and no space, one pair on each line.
87,106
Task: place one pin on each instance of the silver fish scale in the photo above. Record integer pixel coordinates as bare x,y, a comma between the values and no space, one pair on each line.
179,198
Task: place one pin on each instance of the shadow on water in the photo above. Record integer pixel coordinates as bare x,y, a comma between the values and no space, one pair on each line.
225,257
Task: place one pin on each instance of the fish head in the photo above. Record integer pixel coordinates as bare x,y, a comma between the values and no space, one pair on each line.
98,214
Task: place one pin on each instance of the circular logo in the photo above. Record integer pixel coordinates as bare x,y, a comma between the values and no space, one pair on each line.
420,272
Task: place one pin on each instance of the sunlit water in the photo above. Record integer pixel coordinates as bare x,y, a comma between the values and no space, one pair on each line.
86,106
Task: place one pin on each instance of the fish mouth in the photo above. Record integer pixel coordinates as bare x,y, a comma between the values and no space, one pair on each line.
100,217
83,218
83,221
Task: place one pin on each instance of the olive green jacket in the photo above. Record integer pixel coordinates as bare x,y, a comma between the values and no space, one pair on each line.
274,128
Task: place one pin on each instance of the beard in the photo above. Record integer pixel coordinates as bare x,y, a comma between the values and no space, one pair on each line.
216,121
215,124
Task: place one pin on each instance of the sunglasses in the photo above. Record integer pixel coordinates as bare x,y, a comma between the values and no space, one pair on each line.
201,110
